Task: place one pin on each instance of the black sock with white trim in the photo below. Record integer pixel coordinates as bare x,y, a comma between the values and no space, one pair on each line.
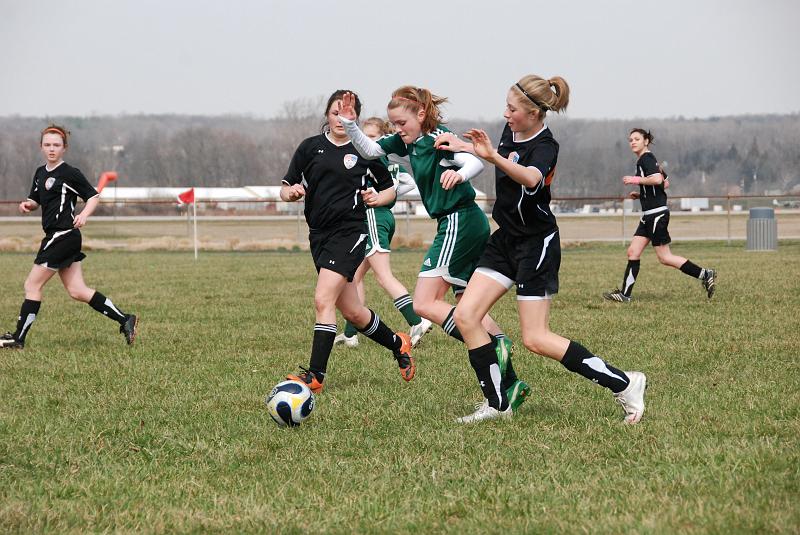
104,306
27,315
321,346
449,326
378,332
580,360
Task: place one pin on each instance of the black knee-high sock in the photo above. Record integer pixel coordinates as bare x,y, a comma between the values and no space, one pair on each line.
104,306
377,331
27,315
578,359
321,346
484,361
450,328
692,269
631,272
511,376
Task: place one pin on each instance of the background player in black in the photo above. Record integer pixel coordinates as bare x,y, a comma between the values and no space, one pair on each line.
331,175
56,188
526,250
652,182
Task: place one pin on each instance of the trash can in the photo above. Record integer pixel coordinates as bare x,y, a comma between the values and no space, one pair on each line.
762,230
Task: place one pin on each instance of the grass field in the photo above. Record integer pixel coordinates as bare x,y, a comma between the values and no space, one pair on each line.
171,435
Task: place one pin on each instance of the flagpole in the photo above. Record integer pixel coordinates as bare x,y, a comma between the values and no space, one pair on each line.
194,209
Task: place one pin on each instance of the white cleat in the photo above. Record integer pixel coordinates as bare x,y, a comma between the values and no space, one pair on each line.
348,341
632,398
483,411
418,330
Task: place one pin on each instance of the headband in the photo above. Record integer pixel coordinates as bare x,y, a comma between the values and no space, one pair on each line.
537,104
54,131
417,102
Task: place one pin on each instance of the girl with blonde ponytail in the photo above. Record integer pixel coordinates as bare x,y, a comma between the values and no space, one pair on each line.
525,252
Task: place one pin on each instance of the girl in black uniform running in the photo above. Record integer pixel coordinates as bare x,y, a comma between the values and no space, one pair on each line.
525,251
652,182
56,188
334,179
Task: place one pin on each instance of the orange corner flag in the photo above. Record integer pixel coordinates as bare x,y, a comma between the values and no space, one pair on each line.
187,197
105,178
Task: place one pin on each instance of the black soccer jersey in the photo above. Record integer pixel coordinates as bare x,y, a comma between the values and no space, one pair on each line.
519,210
56,192
333,177
650,196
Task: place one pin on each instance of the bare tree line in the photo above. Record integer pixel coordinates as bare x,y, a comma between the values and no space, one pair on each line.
716,156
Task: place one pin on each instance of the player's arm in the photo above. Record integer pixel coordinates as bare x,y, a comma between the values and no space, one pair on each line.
482,146
88,210
385,192
405,183
650,180
28,205
347,116
292,188
650,170
469,167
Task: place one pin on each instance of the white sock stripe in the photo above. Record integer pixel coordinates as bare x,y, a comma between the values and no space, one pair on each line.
110,305
598,365
372,326
403,301
28,321
629,282
326,327
494,373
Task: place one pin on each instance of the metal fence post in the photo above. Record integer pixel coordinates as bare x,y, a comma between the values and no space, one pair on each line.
729,219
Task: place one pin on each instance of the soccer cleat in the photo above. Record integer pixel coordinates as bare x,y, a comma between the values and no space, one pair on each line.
710,281
10,342
313,380
418,330
348,341
7,336
503,350
404,359
517,394
632,398
484,411
130,328
617,296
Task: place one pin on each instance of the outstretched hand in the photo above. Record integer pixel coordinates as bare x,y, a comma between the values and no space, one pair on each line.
481,143
449,141
348,107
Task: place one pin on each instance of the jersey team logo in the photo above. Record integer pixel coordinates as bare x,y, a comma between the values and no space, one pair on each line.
49,183
350,160
514,157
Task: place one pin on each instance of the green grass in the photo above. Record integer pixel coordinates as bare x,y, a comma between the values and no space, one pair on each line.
171,435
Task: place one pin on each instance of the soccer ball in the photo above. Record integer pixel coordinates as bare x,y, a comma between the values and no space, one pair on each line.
290,402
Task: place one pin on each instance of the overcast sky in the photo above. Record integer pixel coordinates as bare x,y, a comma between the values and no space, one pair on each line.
622,59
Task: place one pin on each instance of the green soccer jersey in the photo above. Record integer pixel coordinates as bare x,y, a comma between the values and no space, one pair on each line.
427,165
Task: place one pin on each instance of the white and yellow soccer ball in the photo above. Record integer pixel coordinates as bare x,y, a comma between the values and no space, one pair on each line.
290,402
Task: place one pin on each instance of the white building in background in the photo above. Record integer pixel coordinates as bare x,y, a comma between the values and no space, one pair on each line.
248,198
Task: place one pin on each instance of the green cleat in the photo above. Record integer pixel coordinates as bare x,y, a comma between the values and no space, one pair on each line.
517,394
503,350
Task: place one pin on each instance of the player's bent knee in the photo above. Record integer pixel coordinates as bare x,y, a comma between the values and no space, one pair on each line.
466,319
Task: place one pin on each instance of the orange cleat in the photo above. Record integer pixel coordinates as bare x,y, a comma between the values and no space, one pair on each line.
309,378
404,359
